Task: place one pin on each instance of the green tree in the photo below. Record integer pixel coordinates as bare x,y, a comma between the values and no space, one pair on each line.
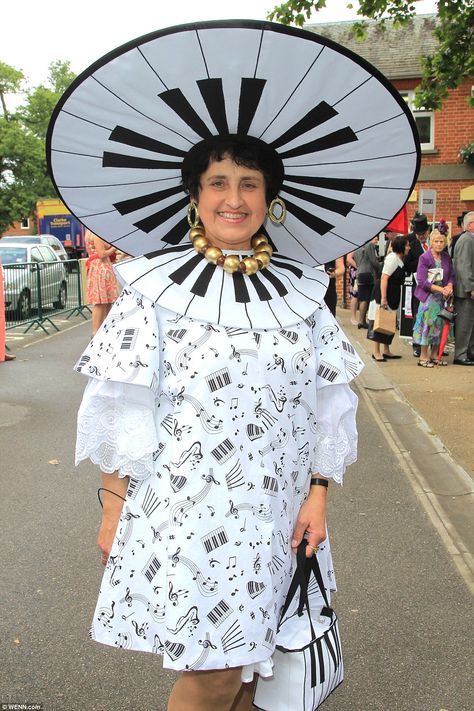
444,70
23,171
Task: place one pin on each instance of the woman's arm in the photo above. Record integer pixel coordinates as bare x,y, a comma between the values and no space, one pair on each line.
112,500
350,260
312,518
102,248
383,289
340,267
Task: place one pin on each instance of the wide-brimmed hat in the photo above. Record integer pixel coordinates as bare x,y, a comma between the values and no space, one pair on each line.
420,223
347,140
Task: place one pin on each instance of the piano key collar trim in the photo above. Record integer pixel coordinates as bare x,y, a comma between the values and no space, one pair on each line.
179,280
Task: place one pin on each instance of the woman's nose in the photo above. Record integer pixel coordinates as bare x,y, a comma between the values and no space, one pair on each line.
234,197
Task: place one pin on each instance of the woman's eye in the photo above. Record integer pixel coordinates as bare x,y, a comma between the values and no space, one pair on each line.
249,186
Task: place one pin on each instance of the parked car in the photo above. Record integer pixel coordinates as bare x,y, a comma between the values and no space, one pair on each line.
32,276
50,240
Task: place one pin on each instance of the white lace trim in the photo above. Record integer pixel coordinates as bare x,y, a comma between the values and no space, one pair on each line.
336,432
333,453
117,435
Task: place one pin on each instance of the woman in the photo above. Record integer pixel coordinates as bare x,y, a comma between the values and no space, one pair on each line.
368,270
215,458
353,287
387,296
333,269
435,283
102,288
218,404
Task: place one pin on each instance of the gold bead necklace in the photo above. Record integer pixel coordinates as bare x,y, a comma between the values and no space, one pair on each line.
231,263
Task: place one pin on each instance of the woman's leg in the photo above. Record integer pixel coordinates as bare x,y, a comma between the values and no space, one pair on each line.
376,350
244,699
99,314
353,306
215,690
363,307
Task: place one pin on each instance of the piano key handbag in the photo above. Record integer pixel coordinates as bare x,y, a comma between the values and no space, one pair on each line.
307,660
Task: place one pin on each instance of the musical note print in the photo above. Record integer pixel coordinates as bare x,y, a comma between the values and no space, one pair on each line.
201,560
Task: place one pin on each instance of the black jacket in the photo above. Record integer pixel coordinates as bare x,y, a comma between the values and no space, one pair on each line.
416,250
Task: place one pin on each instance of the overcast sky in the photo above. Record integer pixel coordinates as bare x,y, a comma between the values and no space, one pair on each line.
34,34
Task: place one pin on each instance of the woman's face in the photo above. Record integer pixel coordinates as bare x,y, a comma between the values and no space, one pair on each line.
231,204
437,243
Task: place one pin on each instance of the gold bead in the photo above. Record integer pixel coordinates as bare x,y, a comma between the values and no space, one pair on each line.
258,239
265,248
212,254
196,232
251,265
263,257
201,243
231,263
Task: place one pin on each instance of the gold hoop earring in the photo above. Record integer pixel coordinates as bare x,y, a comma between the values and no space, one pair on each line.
277,219
193,221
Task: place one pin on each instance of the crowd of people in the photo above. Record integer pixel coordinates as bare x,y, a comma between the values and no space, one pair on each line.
443,282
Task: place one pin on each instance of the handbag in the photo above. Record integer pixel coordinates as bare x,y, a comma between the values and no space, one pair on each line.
385,321
447,312
307,662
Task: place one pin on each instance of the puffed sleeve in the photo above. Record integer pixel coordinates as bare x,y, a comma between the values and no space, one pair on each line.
337,363
117,427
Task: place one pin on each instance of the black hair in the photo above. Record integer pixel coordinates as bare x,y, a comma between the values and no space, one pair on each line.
399,243
244,151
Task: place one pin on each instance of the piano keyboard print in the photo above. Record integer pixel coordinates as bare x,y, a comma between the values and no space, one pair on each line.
158,451
326,371
219,379
224,451
347,347
129,339
291,336
177,334
254,431
233,638
275,564
174,650
255,588
151,568
219,613
270,485
269,640
83,362
177,482
150,502
133,488
214,539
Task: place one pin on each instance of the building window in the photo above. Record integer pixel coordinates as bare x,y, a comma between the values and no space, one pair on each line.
25,224
424,121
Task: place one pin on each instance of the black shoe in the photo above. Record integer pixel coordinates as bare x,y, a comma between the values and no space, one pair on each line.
416,351
463,361
362,325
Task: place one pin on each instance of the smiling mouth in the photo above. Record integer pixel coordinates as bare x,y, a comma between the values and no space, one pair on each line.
232,215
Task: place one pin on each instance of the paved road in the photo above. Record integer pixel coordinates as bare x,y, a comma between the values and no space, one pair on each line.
405,611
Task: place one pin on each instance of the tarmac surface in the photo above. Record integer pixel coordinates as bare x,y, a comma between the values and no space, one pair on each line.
401,530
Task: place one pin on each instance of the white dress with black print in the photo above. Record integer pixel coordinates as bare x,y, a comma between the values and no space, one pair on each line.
219,428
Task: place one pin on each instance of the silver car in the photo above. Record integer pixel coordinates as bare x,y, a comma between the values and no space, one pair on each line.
50,240
33,277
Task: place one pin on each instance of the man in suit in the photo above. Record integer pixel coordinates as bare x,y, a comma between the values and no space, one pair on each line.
464,293
418,241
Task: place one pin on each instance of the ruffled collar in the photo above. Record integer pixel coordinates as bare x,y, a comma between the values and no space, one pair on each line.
180,280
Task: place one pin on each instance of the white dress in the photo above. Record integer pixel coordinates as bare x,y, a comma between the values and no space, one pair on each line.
219,428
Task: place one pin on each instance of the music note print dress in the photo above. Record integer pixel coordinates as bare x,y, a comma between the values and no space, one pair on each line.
219,422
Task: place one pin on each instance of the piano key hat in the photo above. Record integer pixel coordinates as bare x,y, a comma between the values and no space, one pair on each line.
344,143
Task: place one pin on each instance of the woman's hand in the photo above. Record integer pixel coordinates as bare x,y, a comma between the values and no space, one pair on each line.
106,535
384,302
311,519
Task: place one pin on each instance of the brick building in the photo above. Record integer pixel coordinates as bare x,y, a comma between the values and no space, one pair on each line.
396,53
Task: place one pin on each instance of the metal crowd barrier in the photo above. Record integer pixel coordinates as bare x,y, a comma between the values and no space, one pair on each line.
36,291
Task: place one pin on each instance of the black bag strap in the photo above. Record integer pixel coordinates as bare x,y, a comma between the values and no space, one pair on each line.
300,581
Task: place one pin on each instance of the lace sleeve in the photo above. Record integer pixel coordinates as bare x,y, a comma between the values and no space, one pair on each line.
336,432
116,428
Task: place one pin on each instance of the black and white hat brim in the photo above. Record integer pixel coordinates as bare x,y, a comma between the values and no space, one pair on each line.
346,138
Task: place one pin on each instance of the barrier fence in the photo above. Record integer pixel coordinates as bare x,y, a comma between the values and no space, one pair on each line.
34,292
